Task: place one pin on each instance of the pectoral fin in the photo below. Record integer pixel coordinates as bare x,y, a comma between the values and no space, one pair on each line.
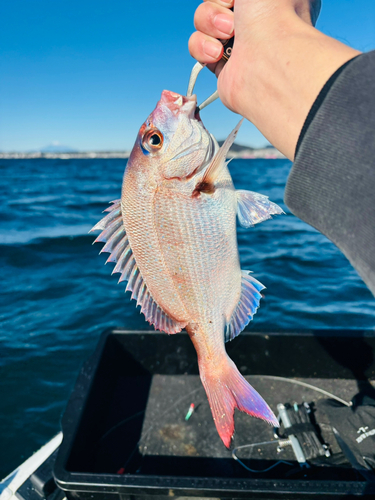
253,208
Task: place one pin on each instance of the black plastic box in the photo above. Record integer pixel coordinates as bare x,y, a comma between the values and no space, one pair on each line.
125,432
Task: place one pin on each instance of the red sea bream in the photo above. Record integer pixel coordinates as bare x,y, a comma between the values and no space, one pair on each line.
173,238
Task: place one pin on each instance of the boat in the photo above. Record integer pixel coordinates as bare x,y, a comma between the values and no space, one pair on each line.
138,424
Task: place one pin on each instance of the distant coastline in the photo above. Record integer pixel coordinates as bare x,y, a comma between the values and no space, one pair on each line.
65,155
237,151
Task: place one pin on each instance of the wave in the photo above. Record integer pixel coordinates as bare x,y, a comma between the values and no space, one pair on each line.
14,237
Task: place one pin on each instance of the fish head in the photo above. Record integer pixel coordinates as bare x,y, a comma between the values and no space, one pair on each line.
173,142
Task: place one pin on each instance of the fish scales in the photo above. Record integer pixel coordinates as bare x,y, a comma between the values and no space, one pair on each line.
177,247
197,252
140,227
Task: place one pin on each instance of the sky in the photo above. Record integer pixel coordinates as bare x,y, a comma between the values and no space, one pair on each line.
86,74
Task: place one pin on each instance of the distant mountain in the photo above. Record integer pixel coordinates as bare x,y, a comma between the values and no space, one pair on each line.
236,148
242,151
55,147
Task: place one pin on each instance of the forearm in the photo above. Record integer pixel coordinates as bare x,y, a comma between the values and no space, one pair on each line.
332,182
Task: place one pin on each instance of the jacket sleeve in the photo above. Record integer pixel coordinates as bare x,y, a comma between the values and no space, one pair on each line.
332,183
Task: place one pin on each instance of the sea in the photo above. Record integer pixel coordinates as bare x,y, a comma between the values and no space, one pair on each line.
57,296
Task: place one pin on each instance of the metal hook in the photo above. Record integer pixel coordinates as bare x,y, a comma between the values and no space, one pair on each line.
209,100
197,68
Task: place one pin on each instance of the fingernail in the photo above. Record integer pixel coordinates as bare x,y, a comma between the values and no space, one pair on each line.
212,49
224,23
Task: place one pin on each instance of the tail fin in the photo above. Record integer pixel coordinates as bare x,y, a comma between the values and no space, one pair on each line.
227,390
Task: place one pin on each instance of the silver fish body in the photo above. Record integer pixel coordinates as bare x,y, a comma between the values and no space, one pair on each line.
173,238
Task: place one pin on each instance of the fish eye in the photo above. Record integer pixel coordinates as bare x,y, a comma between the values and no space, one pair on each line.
152,140
155,140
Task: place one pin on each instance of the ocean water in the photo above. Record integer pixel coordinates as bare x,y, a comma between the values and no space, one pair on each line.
57,296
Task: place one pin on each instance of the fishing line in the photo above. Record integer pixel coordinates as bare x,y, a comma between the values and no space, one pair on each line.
263,443
270,377
119,424
304,384
282,443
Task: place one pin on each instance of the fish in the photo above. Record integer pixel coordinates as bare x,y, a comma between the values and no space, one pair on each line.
172,236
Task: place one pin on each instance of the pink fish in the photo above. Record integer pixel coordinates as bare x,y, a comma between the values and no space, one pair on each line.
173,238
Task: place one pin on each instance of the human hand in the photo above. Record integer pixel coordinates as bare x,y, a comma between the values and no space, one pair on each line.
214,20
278,65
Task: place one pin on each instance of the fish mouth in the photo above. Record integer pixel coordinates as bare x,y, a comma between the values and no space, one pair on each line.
187,105
178,103
199,140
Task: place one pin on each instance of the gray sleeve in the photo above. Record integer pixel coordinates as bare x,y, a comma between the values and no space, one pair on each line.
332,183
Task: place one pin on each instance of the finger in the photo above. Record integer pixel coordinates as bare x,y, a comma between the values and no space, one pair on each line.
214,20
205,49
227,4
218,67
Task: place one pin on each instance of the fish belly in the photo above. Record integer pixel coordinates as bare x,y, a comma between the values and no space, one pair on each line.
197,236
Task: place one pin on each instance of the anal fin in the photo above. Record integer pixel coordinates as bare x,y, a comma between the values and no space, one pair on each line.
246,307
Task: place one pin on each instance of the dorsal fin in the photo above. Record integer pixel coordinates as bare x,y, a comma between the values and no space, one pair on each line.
219,159
246,307
117,244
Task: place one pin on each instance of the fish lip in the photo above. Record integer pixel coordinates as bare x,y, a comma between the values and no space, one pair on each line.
178,103
189,105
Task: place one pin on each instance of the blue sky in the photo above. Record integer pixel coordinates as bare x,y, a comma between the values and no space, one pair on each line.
87,73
